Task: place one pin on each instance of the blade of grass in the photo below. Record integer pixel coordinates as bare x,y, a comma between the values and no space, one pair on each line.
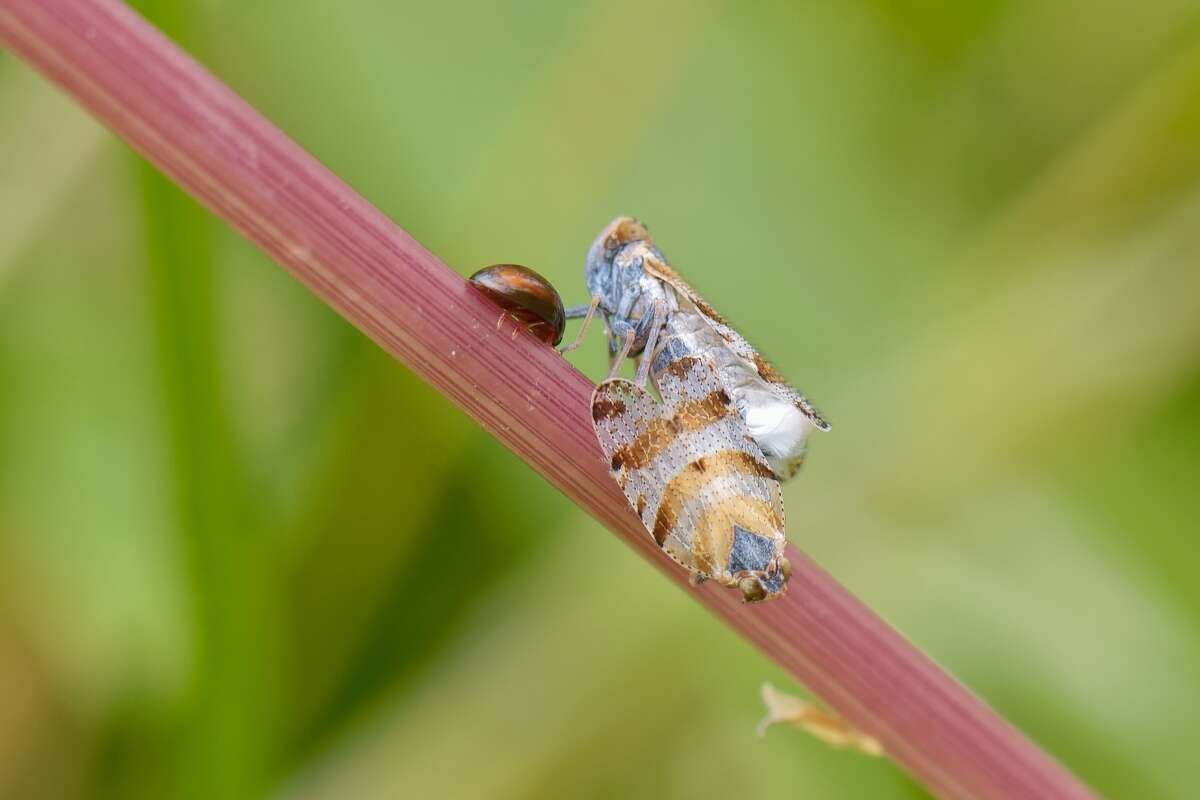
221,729
201,134
224,752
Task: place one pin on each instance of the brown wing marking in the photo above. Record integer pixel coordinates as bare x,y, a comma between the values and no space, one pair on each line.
624,415
658,434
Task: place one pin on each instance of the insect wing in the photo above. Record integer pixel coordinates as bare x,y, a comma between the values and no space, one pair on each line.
634,434
700,485
737,342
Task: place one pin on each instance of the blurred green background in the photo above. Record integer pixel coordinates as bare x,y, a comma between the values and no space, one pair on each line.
242,552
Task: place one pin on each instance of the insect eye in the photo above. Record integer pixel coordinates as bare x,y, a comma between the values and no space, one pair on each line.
752,590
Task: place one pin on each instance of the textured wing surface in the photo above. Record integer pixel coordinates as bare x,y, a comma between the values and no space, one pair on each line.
737,342
688,466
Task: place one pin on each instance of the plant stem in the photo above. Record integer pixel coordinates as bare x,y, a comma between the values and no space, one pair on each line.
202,135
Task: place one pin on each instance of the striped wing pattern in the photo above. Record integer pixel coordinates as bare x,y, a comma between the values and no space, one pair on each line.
698,482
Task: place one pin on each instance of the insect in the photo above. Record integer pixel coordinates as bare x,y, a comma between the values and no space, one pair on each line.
651,312
702,467
527,297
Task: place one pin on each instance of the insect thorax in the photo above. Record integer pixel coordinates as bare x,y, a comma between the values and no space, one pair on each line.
627,292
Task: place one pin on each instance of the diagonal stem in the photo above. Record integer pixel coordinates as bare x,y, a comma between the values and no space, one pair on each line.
218,148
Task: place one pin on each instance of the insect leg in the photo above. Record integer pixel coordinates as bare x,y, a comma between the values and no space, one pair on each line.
608,337
581,310
657,317
587,312
629,332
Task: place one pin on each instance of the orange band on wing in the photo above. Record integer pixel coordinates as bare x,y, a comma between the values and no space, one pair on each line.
690,481
659,433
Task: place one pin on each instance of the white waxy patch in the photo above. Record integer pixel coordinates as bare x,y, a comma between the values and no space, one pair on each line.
778,427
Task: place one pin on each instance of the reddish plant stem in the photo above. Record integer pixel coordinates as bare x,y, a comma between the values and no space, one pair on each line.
224,153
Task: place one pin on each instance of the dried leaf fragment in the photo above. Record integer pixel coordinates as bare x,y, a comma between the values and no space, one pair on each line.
827,727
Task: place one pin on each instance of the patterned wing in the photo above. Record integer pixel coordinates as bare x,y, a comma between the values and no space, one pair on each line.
661,270
699,483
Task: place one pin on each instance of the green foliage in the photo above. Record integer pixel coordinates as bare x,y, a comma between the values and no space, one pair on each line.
242,551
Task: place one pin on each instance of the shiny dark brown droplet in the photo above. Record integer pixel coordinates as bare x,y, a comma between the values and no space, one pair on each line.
528,298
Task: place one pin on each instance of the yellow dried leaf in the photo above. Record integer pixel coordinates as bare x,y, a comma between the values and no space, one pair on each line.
822,724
